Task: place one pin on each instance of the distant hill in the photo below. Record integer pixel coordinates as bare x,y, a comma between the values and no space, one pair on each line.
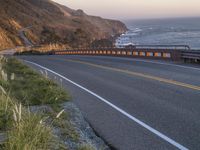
52,23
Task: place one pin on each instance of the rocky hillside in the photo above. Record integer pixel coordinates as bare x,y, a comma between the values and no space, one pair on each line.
52,23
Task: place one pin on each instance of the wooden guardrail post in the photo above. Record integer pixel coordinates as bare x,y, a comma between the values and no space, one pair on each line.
176,55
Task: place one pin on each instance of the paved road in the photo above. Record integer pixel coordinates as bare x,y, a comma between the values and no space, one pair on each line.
27,42
133,104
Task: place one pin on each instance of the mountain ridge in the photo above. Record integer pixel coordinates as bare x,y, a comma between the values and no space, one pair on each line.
52,23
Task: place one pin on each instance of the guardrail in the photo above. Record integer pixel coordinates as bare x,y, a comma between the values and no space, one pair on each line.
168,54
191,56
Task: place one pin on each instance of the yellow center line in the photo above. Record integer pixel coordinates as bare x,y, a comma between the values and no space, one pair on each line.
190,86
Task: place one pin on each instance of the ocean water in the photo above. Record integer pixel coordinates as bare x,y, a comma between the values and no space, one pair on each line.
182,31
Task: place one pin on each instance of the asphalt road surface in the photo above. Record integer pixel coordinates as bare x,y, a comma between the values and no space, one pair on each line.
27,42
132,104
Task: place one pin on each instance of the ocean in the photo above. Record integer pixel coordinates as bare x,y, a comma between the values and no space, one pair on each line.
180,31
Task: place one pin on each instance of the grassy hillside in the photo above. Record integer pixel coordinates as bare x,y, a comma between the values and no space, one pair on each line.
52,23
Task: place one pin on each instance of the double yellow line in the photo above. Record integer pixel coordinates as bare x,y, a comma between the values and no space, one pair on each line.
168,81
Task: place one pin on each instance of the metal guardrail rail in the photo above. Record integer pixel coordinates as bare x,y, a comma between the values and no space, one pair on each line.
192,55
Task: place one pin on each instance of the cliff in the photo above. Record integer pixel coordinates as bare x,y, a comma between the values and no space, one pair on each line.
52,23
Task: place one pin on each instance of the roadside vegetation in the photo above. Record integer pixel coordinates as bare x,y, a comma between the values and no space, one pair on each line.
31,114
29,87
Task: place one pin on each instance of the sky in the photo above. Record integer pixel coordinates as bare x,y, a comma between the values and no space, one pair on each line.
136,9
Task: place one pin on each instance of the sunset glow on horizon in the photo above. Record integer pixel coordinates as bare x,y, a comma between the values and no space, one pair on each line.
130,9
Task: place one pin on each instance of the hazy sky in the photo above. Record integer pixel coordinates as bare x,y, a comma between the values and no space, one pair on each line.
130,9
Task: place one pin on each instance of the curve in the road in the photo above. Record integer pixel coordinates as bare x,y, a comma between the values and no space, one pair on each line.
156,132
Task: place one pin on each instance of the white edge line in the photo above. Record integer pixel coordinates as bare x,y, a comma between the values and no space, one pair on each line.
164,137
